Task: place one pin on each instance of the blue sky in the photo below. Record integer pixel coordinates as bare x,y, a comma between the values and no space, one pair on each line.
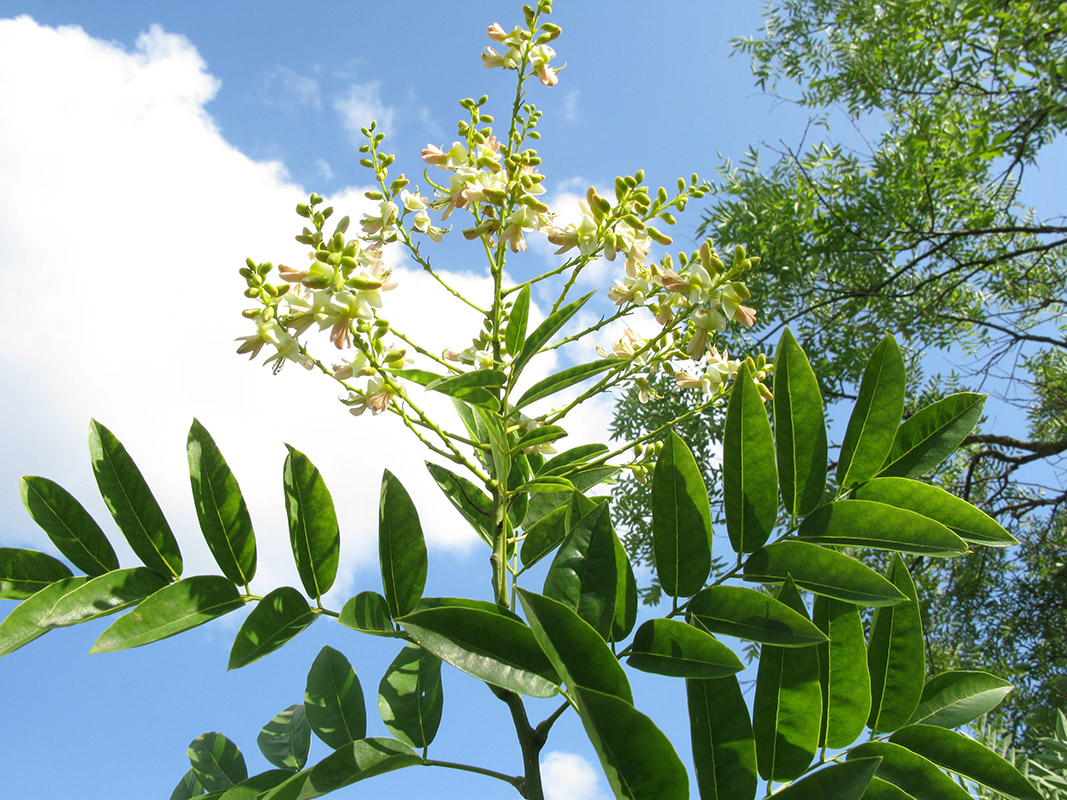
146,149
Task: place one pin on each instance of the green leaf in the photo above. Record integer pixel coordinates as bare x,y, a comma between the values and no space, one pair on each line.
515,333
932,433
639,761
131,503
749,475
74,533
368,612
843,673
821,571
584,573
333,700
175,608
558,381
964,756
455,384
569,459
625,595
539,435
217,762
485,641
401,547
23,573
916,775
470,501
544,536
285,741
253,787
840,782
275,620
896,656
103,595
864,523
545,331
578,653
21,626
874,420
752,615
357,761
966,521
674,648
799,428
544,484
955,698
681,520
410,699
498,444
187,788
787,706
724,750
313,530
883,790
221,508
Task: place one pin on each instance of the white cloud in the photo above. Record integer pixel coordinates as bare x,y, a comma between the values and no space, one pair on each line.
284,87
568,776
124,216
361,105
571,100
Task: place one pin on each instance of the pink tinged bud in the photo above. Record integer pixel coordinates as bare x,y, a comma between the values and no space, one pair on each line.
547,75
745,316
497,33
491,58
291,275
432,154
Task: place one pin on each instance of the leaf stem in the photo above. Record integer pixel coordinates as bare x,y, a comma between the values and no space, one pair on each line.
514,780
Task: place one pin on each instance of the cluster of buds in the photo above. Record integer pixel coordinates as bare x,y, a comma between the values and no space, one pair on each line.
527,45
645,457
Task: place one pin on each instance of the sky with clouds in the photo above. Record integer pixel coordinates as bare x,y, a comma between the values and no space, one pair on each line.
146,150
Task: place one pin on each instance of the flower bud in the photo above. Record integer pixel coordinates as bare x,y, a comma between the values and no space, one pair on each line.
656,236
303,210
363,284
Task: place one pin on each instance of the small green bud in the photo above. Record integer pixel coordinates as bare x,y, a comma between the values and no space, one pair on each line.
661,195
633,222
640,176
486,118
631,181
316,281
303,210
315,199
251,292
366,162
363,284
681,184
552,30
668,218
656,236
251,313
304,238
620,188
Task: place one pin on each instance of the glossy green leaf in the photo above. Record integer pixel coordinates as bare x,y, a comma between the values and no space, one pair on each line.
518,318
539,435
879,789
681,520
955,698
875,417
485,641
724,750
410,699
313,531
749,474
752,615
961,754
865,523
896,656
221,508
568,460
787,705
358,761
21,626
470,501
558,381
455,384
23,573
285,741
625,595
577,652
333,700
969,523
822,571
674,648
932,433
545,483
187,788
420,376
74,533
217,762
275,620
544,536
175,608
521,487
843,673
368,612
498,444
799,428
253,787
584,573
545,331
401,547
639,761
916,775
846,781
131,503
103,595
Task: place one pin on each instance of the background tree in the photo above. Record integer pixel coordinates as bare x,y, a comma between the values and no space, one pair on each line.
905,192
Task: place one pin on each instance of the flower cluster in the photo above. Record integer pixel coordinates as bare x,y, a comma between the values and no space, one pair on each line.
527,45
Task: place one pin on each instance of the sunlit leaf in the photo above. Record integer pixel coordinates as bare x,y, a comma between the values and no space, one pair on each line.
584,573
470,501
515,333
401,547
368,612
275,620
896,656
23,573
410,699
544,536
955,698
356,762
674,648
21,625
847,781
749,474
843,673
558,381
217,762
875,417
932,433
333,700
724,750
103,595
681,520
313,531
74,533
864,523
799,428
752,615
545,331
917,776
285,741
